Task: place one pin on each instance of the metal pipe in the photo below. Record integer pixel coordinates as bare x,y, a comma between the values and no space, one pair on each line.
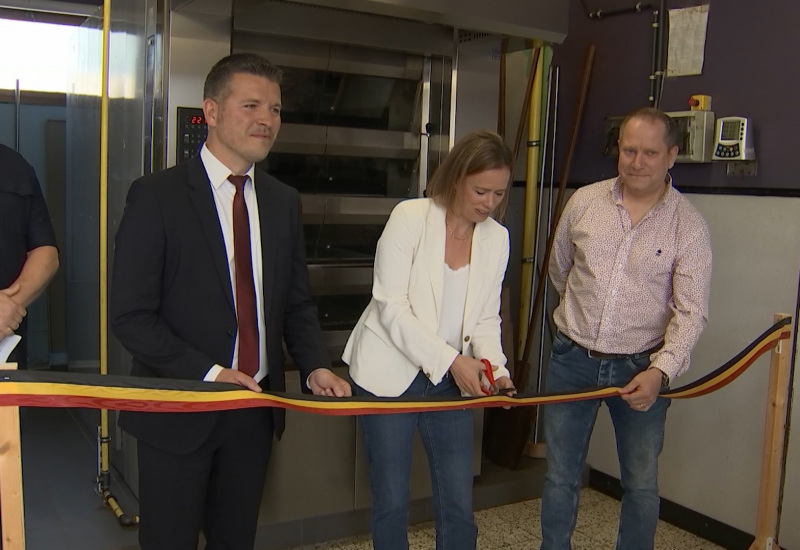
659,32
600,13
424,120
453,88
555,74
17,101
653,61
656,59
501,104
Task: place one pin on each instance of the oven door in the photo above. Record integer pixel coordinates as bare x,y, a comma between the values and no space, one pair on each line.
361,128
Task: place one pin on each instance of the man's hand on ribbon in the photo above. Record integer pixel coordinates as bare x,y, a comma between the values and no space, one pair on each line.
325,382
642,391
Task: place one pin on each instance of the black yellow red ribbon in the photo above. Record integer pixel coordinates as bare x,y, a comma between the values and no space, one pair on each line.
95,391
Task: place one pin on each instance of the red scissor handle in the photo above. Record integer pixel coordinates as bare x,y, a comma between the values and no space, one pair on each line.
487,371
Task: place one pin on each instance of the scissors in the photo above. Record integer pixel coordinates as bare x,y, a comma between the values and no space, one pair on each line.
489,374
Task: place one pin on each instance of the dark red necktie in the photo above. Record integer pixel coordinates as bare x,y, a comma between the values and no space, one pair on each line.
245,288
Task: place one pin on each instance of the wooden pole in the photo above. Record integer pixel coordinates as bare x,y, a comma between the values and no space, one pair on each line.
11,503
772,459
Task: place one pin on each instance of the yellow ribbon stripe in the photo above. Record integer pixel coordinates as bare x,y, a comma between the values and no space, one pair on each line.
53,389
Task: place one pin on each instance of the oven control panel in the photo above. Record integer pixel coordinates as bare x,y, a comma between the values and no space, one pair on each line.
192,132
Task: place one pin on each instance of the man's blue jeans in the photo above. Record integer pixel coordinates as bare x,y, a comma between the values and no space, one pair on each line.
448,440
567,429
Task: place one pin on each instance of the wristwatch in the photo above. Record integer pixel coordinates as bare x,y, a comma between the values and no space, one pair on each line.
664,378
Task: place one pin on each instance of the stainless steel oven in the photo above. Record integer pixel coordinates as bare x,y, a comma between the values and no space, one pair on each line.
365,119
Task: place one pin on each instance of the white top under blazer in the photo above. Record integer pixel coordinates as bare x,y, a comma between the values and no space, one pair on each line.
454,300
396,336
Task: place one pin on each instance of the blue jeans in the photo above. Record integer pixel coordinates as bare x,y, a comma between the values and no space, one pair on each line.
448,440
567,429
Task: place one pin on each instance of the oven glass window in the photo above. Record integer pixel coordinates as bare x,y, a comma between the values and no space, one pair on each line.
341,243
340,311
315,174
348,100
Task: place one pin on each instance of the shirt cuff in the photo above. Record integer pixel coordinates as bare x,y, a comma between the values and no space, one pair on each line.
308,380
665,364
212,373
501,372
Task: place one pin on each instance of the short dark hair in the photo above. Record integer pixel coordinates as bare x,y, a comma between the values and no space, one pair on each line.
216,86
473,153
654,114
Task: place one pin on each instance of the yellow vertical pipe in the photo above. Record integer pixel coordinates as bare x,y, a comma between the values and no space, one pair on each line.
104,227
531,205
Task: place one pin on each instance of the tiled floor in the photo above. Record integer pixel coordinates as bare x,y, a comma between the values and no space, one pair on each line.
62,511
516,527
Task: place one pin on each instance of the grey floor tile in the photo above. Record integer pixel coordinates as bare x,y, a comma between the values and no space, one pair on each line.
599,521
669,537
590,496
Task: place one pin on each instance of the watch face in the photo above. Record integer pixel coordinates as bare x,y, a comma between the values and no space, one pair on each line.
664,380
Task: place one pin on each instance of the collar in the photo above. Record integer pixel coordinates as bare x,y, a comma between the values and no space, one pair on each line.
217,172
616,190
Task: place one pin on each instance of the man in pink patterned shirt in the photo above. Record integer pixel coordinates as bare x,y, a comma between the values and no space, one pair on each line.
632,264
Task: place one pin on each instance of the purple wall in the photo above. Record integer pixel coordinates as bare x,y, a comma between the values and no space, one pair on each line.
751,69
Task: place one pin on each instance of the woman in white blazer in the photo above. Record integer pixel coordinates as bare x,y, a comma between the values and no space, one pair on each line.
434,313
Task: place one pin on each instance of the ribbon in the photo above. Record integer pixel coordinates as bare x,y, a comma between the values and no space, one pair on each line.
130,393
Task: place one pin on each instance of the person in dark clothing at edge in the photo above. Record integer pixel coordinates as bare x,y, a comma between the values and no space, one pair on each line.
28,251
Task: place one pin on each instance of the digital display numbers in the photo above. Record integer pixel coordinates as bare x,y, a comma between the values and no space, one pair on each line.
191,133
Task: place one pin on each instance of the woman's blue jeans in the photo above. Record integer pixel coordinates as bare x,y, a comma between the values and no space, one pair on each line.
567,429
448,440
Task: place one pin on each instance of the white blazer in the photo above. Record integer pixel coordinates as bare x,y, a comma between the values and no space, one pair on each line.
396,336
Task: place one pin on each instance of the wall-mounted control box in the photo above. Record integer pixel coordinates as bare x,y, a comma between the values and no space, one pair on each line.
695,135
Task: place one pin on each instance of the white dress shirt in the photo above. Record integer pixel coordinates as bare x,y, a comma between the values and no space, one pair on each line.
223,192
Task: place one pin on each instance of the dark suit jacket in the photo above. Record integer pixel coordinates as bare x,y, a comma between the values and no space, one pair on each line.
172,301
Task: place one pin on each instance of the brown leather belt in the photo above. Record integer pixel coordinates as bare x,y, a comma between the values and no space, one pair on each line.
594,354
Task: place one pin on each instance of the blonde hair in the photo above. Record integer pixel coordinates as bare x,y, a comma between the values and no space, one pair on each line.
476,152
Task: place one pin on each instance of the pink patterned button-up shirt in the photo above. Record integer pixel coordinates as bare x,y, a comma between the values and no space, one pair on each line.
625,289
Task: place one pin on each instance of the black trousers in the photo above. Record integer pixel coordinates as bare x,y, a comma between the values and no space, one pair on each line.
216,489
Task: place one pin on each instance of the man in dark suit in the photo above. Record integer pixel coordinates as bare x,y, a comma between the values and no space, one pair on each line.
210,278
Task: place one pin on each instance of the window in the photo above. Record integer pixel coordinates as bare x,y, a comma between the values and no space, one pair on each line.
40,55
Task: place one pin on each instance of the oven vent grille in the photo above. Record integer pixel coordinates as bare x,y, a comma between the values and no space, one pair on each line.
317,7
464,37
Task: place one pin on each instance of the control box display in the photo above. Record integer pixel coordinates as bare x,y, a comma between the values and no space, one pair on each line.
734,139
192,132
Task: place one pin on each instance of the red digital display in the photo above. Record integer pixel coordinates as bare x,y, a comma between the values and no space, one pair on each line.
197,119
